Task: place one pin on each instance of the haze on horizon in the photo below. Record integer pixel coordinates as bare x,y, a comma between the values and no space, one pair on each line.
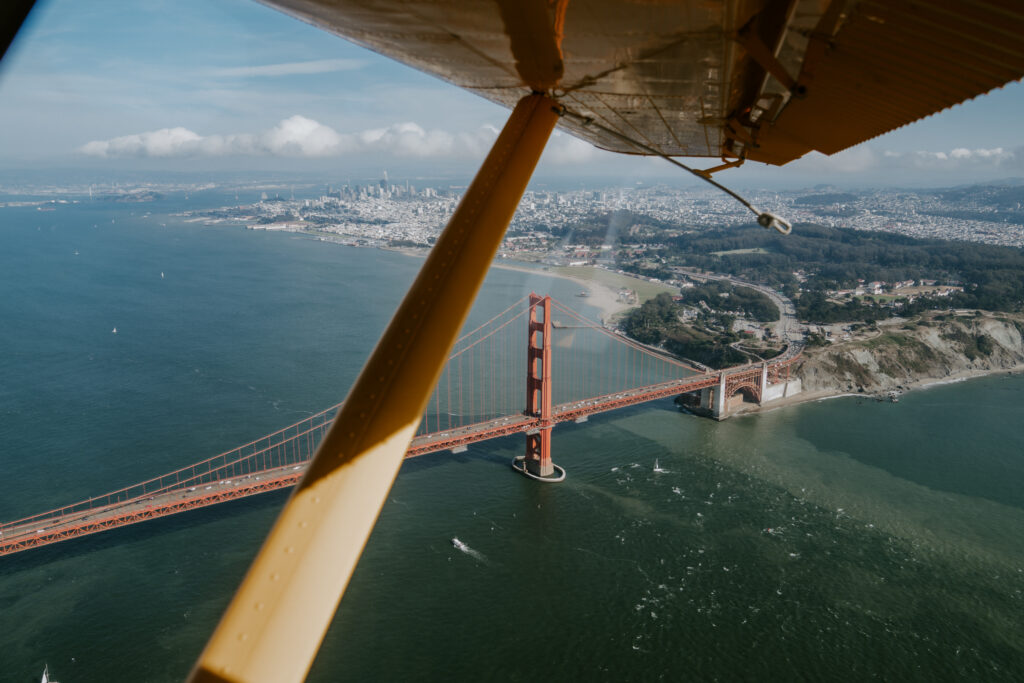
237,86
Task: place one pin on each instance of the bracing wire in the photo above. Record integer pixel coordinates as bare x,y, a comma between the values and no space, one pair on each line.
764,218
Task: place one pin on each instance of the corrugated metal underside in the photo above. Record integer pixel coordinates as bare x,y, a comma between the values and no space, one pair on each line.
892,62
674,76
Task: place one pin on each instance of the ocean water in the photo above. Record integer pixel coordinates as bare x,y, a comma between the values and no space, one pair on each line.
840,540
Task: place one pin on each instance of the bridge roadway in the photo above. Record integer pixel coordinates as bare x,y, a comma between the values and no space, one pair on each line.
44,531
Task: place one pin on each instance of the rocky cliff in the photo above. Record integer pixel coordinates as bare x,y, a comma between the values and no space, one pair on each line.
924,350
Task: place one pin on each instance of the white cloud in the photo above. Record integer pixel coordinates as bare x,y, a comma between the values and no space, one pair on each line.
956,159
302,137
864,159
166,142
411,140
563,149
318,66
299,136
853,160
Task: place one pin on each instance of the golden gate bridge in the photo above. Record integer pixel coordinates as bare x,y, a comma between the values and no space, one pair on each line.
574,368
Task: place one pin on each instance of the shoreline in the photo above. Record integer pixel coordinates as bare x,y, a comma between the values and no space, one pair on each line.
606,299
602,297
920,384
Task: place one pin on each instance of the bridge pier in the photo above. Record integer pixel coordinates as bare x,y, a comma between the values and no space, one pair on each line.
536,463
713,399
764,382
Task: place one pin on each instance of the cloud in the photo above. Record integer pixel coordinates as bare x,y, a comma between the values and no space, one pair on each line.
319,66
302,137
864,159
957,159
411,140
854,160
166,142
298,136
564,150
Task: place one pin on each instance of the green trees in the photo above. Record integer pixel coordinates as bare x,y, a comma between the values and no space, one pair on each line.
647,324
835,258
657,322
723,296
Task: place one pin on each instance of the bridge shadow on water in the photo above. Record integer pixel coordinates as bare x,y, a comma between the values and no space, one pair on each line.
34,558
501,450
475,453
498,452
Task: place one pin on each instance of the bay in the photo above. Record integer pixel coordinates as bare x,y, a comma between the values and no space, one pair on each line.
829,541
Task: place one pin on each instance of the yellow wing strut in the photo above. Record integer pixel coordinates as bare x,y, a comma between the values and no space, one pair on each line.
272,629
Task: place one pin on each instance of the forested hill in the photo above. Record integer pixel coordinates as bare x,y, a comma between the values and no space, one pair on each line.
835,258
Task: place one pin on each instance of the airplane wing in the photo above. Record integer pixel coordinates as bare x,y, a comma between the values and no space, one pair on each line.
757,79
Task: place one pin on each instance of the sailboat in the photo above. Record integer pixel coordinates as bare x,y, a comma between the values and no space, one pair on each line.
46,675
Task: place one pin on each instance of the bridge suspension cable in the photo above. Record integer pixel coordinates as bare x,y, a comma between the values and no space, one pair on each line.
481,394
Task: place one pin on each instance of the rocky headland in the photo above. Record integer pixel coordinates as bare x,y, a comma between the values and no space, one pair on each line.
902,354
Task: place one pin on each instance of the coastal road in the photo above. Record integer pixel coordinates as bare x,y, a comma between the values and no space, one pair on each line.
786,328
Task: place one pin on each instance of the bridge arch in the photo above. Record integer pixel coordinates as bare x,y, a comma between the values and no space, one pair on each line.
750,391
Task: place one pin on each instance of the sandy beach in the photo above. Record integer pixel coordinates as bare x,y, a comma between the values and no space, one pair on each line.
602,296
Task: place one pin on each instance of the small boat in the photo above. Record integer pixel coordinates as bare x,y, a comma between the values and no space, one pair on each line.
113,331
460,545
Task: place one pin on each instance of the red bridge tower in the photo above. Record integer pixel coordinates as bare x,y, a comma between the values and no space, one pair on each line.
537,464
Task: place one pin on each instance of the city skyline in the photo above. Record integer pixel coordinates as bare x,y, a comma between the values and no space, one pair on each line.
235,86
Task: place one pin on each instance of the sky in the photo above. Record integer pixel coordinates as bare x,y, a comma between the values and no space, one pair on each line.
186,85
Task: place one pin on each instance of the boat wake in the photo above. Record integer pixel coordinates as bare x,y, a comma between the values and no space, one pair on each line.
475,554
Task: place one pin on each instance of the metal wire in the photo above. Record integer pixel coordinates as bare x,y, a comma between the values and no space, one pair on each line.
766,220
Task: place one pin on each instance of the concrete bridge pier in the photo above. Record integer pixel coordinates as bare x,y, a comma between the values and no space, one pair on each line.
712,399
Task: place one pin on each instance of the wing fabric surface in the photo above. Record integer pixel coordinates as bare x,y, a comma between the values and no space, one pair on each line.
767,80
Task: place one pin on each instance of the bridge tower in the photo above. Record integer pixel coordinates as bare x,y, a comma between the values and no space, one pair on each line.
536,463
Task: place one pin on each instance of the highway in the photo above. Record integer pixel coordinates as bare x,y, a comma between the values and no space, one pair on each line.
786,328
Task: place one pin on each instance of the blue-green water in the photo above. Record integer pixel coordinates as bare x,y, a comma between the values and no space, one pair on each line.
840,540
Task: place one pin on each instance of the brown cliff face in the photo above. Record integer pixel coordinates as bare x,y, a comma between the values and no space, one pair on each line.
928,350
